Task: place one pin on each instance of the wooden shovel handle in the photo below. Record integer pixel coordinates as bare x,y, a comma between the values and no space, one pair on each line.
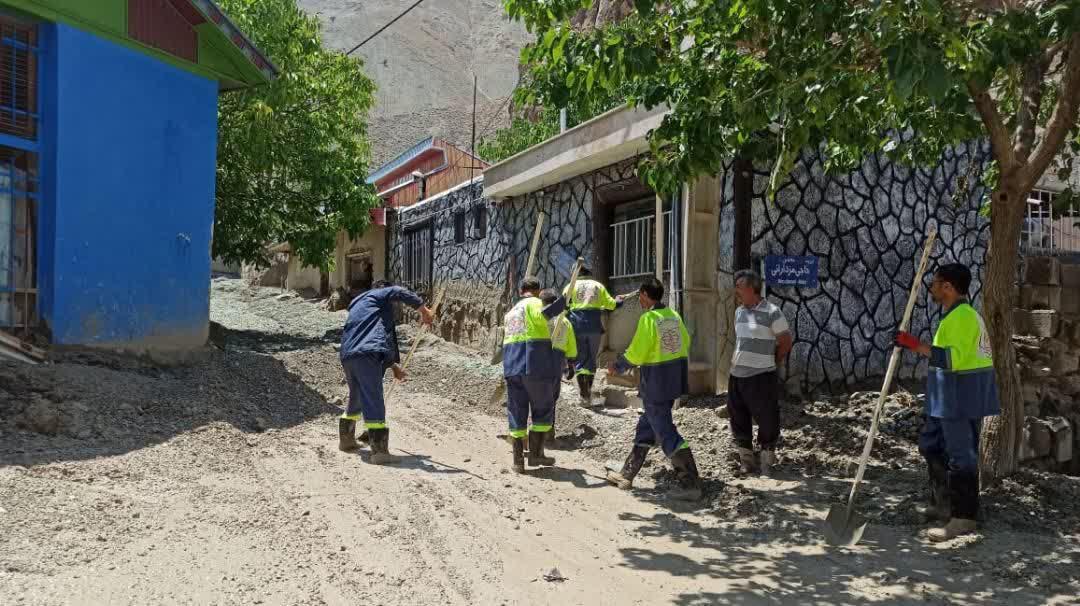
894,363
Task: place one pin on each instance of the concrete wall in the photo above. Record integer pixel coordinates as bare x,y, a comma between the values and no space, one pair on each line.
303,277
372,241
130,171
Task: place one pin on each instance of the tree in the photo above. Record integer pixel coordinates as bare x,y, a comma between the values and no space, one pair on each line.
765,78
293,154
525,131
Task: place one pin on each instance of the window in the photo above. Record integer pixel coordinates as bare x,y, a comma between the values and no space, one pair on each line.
1049,226
416,250
480,221
459,227
18,79
633,239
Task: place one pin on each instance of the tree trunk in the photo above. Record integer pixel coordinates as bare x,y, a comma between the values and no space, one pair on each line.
1002,434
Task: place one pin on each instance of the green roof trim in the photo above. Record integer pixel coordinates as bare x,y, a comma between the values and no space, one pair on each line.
226,54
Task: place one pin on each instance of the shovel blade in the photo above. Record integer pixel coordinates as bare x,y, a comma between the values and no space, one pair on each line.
842,529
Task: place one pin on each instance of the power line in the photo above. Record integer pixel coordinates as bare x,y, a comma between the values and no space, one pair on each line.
381,29
491,120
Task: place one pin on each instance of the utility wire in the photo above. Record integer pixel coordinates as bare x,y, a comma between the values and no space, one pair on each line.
381,29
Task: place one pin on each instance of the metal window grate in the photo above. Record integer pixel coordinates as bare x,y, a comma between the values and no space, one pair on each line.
1047,228
634,243
416,256
18,242
18,79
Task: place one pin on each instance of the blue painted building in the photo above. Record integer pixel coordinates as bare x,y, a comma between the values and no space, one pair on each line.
108,140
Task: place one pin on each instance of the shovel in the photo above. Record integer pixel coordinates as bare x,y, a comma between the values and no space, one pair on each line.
844,527
500,389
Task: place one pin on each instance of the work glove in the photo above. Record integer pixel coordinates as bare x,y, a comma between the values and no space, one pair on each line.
569,370
907,340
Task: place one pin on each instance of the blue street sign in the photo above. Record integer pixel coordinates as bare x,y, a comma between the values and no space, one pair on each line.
791,271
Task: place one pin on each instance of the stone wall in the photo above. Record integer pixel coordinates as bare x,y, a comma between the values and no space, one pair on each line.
481,274
1047,323
867,227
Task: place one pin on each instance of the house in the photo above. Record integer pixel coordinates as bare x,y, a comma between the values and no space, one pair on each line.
108,142
864,230
428,169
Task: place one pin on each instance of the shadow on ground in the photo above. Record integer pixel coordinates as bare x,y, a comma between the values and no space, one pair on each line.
94,403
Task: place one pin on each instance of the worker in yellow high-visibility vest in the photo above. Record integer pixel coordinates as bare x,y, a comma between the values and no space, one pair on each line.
661,348
591,299
532,372
960,391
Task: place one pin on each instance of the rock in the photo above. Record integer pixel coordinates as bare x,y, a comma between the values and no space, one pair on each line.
1062,439
1070,275
1032,394
1070,301
1066,363
1043,323
616,397
1037,439
1069,385
1042,271
339,300
1040,297
42,417
1036,372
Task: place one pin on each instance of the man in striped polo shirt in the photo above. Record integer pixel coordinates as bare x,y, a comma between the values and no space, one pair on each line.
762,341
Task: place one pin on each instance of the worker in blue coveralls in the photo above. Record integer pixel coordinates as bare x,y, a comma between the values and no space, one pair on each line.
532,372
368,347
563,343
660,347
589,302
960,391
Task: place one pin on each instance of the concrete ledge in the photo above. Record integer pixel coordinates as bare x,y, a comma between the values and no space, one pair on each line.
602,141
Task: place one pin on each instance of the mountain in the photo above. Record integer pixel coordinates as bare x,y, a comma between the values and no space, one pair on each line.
424,64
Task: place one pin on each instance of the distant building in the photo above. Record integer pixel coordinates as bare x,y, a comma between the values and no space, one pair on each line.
426,170
108,152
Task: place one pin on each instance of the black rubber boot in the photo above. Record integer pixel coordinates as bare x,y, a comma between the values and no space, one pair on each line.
380,447
346,439
583,389
625,479
964,499
536,450
691,488
519,454
363,437
588,388
939,507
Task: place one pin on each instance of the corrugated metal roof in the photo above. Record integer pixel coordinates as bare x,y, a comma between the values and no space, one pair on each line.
402,159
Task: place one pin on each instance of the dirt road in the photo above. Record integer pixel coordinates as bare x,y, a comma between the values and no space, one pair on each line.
241,497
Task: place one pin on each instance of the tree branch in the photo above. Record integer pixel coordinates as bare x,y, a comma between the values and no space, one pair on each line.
1062,119
995,126
1027,115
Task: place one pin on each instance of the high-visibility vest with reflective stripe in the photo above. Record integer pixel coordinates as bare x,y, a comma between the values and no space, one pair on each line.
563,339
661,348
527,342
960,381
591,299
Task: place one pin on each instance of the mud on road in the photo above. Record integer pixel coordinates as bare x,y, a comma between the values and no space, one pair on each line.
216,480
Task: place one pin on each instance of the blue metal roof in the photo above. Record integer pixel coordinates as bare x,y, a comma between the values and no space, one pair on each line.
402,159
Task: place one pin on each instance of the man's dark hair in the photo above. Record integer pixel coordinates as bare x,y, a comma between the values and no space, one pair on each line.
381,283
753,280
956,274
585,272
530,284
653,288
548,296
